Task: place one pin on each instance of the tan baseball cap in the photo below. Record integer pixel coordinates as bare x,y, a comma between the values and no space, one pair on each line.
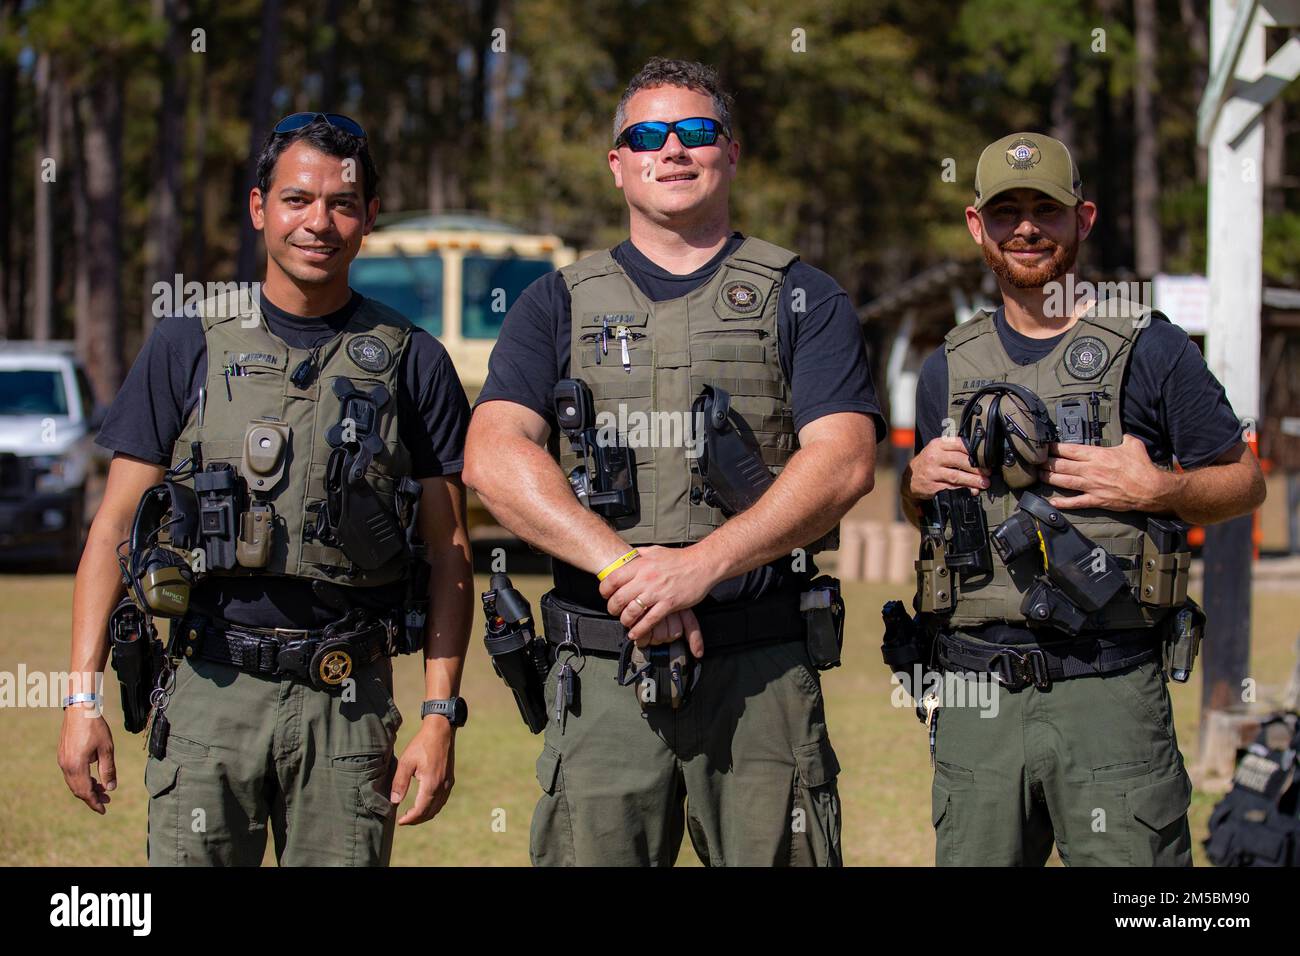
1027,161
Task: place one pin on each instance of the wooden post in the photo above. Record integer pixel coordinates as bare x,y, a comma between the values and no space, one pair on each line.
1236,154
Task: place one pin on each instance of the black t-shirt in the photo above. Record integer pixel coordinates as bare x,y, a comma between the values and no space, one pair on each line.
1169,399
162,389
822,354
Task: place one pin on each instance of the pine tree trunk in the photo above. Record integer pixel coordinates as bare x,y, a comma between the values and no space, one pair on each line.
198,189
163,245
329,70
1196,29
1146,143
1063,127
50,96
268,51
10,325
99,269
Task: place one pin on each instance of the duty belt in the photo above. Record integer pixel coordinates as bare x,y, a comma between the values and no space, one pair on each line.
323,657
1020,665
772,619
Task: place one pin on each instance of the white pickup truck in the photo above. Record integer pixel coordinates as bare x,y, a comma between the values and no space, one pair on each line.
48,421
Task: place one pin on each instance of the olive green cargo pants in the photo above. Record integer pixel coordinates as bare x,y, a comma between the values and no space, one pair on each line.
1091,763
745,767
244,750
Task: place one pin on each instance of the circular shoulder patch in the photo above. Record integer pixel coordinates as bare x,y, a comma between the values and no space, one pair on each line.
741,296
1087,357
369,352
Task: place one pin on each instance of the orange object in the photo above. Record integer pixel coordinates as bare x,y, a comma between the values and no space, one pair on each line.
1257,529
902,437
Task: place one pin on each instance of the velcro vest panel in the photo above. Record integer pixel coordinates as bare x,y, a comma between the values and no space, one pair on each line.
1256,824
236,335
1088,364
725,333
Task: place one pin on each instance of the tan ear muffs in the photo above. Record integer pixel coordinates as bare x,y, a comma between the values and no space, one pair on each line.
978,429
1026,431
1007,429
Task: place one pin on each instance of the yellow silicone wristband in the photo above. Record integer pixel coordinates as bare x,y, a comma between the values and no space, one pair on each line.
613,566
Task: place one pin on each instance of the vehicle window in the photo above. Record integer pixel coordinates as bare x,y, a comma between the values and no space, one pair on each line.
410,284
483,307
32,392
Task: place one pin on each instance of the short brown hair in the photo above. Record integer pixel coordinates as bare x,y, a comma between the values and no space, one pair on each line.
662,71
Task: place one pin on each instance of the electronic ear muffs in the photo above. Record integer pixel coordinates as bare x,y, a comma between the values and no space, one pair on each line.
1006,428
165,581
1026,431
161,572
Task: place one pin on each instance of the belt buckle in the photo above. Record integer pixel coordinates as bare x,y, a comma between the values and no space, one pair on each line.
1035,663
1015,670
293,654
1002,668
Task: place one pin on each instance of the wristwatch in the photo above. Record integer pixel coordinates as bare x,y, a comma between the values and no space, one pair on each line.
453,708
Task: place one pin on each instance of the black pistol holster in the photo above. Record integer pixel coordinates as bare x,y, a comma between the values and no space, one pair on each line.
964,529
730,471
519,656
606,481
908,643
137,656
352,517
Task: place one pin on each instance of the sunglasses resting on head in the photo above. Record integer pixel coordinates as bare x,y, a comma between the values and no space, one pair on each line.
296,121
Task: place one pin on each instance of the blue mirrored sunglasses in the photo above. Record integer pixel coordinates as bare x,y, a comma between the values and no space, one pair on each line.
651,135
296,121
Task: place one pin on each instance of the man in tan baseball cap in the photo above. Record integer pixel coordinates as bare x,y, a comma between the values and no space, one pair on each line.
1029,214
1075,746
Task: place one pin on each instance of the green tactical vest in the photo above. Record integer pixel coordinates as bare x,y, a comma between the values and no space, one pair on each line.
368,352
1087,364
725,334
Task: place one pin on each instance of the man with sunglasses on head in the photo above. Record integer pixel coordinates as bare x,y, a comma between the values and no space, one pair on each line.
698,607
303,427
1054,557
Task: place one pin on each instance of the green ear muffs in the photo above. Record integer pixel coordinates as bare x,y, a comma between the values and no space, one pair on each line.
161,573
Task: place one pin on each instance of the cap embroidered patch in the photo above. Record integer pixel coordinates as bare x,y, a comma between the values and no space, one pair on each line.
369,352
1023,154
1087,357
742,296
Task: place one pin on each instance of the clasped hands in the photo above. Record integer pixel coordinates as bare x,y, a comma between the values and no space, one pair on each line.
654,593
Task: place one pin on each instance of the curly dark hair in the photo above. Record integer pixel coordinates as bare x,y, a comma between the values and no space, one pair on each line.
662,71
329,140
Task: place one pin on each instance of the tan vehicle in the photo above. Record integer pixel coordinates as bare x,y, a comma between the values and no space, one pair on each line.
455,276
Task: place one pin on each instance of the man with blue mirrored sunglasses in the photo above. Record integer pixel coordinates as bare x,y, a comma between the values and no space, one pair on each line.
705,610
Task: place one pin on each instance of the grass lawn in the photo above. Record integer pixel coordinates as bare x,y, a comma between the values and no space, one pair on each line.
884,786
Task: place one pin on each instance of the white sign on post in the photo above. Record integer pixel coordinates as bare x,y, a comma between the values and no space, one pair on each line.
1185,299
